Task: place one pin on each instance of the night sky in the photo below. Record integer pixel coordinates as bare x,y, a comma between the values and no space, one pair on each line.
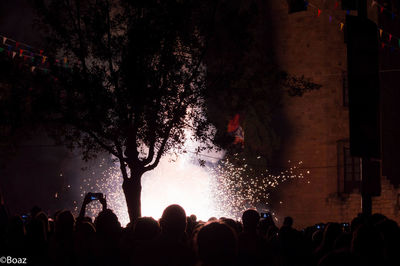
31,175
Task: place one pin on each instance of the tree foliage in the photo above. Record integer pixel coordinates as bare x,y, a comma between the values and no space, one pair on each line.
137,76
136,82
140,74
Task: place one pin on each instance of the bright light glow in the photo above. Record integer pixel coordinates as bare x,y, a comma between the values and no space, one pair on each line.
218,189
181,182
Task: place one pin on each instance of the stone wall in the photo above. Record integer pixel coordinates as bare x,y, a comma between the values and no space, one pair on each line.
314,47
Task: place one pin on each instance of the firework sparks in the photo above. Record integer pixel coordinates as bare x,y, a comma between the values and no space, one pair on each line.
220,189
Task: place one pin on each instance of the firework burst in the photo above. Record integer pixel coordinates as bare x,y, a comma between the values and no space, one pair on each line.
219,189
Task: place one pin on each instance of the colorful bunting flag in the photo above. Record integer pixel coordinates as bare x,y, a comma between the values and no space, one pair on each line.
381,9
1,49
236,130
233,123
341,26
390,37
32,68
380,32
4,40
13,54
239,136
319,12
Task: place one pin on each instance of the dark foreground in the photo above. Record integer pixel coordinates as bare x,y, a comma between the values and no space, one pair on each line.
180,240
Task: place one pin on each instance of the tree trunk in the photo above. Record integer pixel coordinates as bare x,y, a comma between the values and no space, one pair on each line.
132,188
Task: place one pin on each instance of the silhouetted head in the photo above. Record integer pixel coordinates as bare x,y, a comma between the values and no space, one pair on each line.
65,223
107,223
331,233
36,230
85,228
343,241
193,218
232,223
390,232
288,221
316,238
16,227
368,244
263,227
45,219
376,218
173,220
356,222
146,228
250,220
35,210
216,244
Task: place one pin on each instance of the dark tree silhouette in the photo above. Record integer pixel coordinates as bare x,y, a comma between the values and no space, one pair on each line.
136,81
140,73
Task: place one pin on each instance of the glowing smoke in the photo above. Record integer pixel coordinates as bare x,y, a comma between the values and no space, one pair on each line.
176,180
218,189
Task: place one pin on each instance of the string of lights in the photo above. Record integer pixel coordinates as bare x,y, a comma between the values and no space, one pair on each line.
387,39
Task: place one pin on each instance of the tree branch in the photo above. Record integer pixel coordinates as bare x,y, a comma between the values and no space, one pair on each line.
102,144
160,150
122,164
113,73
78,31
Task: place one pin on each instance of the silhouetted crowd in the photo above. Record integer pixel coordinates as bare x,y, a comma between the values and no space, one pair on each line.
180,240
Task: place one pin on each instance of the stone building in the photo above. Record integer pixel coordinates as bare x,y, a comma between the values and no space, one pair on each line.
311,44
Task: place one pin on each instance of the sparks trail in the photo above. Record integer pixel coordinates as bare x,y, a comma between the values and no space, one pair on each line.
237,188
221,189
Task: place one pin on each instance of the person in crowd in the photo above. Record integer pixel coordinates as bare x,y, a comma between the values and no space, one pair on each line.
108,235
368,246
15,240
36,240
251,244
172,245
291,245
216,244
331,232
140,242
180,240
61,244
390,232
85,243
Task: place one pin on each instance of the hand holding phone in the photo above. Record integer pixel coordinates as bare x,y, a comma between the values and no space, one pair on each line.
265,215
90,196
95,196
